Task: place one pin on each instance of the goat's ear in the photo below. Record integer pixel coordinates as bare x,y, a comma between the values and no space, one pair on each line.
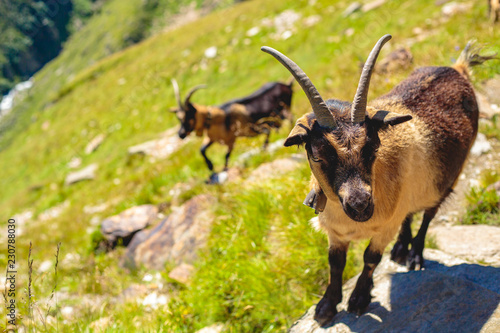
382,119
299,133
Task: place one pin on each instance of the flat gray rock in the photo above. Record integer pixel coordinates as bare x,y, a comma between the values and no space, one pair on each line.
449,295
124,225
168,143
276,168
475,243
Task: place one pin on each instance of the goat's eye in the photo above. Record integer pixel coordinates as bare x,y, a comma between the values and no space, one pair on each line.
316,159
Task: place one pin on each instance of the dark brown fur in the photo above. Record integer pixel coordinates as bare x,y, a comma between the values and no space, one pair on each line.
452,116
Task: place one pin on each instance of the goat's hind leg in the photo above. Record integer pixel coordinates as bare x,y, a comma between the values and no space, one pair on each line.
415,257
400,250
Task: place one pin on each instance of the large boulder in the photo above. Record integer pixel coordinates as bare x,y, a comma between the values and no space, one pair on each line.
175,239
449,295
122,227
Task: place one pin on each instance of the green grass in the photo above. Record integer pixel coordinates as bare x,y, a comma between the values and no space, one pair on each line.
483,203
264,265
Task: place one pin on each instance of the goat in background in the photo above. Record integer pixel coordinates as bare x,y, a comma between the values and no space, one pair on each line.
374,166
249,116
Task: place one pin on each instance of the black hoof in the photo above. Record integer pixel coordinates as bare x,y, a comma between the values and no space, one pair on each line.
325,311
415,261
214,179
399,253
359,301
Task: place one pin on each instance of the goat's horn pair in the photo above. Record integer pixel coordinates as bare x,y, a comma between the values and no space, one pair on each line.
323,115
188,96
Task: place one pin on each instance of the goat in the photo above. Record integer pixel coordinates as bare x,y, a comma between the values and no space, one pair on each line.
494,10
248,116
373,168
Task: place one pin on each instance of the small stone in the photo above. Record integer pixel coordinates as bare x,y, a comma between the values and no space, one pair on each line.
311,20
94,143
372,5
182,273
211,52
45,266
75,162
352,8
45,125
67,312
481,145
147,278
101,324
215,328
154,300
53,212
453,8
349,32
87,173
253,31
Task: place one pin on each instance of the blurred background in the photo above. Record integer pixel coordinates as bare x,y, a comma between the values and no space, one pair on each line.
126,235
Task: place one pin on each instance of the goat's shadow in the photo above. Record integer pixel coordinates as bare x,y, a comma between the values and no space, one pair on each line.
441,298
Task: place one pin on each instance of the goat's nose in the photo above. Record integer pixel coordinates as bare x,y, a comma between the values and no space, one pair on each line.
359,200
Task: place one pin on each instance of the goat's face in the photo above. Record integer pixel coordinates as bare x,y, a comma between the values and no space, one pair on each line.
341,138
186,117
185,111
341,159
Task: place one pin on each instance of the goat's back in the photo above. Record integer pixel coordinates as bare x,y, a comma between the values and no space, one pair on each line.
444,100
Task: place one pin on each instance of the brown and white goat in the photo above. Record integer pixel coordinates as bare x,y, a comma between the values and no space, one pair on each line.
374,166
249,116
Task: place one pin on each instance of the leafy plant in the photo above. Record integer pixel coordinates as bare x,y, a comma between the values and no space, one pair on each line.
483,208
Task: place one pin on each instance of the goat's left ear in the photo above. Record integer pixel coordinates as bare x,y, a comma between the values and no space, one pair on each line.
382,119
299,133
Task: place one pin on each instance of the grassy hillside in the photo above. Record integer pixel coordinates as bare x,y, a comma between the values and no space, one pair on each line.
264,265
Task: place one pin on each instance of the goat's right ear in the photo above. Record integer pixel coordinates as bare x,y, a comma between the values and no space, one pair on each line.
299,133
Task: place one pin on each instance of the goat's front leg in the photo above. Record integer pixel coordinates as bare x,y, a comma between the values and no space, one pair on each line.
267,132
207,143
361,297
229,150
327,307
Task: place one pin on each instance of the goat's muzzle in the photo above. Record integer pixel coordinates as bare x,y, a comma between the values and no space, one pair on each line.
358,205
182,133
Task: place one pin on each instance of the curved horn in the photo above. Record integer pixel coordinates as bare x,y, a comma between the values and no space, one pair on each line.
191,92
176,92
320,109
358,108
